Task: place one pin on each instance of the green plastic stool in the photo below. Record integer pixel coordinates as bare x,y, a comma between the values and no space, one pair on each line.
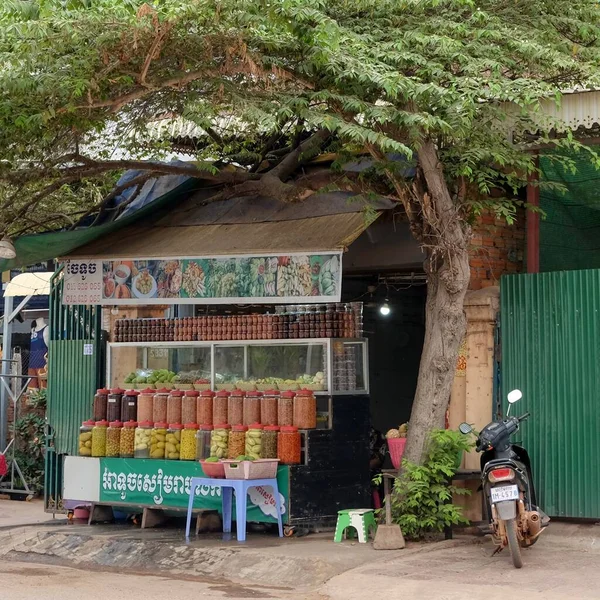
361,519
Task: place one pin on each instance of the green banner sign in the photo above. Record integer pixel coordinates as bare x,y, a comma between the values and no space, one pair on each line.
166,484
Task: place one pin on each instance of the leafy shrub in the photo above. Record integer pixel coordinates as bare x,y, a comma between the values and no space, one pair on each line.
422,496
29,450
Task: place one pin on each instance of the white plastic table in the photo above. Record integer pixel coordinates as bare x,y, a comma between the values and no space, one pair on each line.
240,487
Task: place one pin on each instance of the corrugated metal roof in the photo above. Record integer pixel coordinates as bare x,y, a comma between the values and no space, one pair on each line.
550,329
329,232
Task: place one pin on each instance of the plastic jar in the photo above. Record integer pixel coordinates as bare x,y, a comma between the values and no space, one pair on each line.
188,442
145,402
237,441
203,442
174,404
189,404
127,441
220,407
305,410
268,407
159,406
100,402
129,406
285,409
99,438
85,438
113,439
235,408
113,409
173,441
219,440
288,446
269,441
143,435
254,441
158,440
204,408
252,408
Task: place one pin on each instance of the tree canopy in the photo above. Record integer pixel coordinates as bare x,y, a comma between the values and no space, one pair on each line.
452,85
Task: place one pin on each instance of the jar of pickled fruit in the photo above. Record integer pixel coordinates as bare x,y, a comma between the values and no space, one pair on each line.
99,438
158,439
113,407
288,446
127,442
143,435
235,408
254,441
285,409
268,407
85,438
220,407
305,410
252,407
100,404
189,403
129,406
174,406
173,441
203,441
269,441
188,441
159,406
204,408
219,440
237,441
145,404
113,439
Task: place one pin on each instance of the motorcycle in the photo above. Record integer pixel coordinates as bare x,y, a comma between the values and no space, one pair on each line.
506,481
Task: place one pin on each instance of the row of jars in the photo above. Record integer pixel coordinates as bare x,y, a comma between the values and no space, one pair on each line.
235,408
188,442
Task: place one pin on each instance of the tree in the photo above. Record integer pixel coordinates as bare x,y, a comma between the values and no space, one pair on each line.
452,85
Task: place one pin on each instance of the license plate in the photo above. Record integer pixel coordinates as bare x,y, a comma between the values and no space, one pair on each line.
506,492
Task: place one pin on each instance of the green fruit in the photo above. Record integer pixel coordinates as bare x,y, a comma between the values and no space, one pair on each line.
212,459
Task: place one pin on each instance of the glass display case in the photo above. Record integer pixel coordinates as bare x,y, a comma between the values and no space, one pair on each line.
325,366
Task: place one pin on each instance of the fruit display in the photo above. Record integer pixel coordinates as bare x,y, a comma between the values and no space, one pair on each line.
85,438
203,442
219,441
235,408
145,405
158,378
158,438
99,438
254,437
113,439
143,435
127,441
159,406
289,446
285,409
173,441
188,449
204,408
220,402
401,432
174,407
268,408
252,402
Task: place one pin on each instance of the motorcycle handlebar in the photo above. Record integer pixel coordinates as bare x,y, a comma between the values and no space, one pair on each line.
525,416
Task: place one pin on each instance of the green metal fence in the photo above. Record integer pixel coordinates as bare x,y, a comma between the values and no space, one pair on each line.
550,333
76,366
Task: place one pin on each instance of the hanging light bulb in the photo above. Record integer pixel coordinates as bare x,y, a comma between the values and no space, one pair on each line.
385,309
7,250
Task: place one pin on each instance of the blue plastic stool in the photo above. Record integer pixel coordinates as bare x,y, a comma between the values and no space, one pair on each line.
240,487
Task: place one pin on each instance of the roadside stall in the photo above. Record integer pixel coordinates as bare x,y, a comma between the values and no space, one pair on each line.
267,363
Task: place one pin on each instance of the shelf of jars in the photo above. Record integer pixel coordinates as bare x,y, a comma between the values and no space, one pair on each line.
324,366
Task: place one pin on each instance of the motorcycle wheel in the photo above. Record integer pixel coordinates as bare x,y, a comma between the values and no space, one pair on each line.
513,543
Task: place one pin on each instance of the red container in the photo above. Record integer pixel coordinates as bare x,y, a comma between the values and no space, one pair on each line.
216,470
396,447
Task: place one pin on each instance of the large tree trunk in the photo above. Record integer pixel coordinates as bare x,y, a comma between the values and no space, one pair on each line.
448,275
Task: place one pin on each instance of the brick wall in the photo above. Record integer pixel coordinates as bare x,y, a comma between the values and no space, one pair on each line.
496,249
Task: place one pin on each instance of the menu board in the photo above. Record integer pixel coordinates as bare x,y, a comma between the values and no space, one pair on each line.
206,280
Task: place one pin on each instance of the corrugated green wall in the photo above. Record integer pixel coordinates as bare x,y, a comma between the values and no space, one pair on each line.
550,335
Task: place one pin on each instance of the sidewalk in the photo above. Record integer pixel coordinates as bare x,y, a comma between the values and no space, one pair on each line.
15,513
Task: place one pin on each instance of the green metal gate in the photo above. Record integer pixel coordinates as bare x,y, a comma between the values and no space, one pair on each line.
76,367
550,334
